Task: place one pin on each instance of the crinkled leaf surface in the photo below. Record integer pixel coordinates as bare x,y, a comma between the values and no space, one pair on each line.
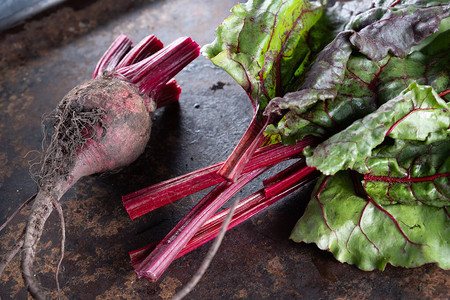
321,82
350,98
409,172
398,30
361,232
425,115
365,86
263,45
378,52
357,85
398,212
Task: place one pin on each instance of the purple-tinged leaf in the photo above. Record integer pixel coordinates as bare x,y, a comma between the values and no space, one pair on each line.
398,31
351,85
321,82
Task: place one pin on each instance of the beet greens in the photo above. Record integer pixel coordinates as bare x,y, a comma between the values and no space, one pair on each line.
381,117
368,80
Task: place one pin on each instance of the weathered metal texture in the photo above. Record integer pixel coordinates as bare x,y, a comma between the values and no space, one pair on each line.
43,60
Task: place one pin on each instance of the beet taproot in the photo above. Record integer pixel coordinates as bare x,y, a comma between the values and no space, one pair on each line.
99,126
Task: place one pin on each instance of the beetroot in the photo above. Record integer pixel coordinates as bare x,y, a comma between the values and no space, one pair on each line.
101,125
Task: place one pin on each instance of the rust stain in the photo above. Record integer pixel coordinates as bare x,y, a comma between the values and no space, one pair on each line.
430,284
2,126
168,287
13,276
241,294
17,108
4,171
325,268
275,268
38,36
12,273
121,291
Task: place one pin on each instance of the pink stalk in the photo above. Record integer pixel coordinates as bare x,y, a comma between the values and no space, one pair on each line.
285,173
276,188
149,66
145,200
276,153
444,93
245,210
168,93
146,47
250,141
395,3
153,266
151,73
112,56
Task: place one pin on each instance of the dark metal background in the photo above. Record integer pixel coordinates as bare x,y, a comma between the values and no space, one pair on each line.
15,12
49,55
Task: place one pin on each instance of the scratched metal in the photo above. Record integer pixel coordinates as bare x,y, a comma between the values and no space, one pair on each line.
45,58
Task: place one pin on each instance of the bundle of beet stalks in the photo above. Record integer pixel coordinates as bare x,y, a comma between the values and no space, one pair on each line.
201,224
100,125
359,88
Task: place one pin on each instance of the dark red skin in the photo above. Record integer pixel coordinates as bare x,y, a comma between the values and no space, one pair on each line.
120,139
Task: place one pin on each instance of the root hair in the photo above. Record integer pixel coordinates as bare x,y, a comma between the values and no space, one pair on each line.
66,130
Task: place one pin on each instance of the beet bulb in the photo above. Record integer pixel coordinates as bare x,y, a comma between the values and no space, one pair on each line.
101,125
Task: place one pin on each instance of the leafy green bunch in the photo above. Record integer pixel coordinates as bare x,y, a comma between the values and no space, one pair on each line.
369,79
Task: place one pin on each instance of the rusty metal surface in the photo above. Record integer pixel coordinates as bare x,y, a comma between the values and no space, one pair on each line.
44,59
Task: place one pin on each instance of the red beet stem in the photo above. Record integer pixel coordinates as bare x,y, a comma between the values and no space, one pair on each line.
290,177
444,93
168,93
276,153
153,266
246,209
154,71
112,56
145,200
395,3
250,141
284,173
146,47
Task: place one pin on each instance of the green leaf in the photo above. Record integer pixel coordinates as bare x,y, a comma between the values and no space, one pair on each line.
342,86
365,86
263,45
352,98
425,115
321,83
398,73
369,235
409,172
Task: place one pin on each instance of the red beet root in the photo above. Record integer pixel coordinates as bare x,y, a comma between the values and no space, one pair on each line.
101,125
